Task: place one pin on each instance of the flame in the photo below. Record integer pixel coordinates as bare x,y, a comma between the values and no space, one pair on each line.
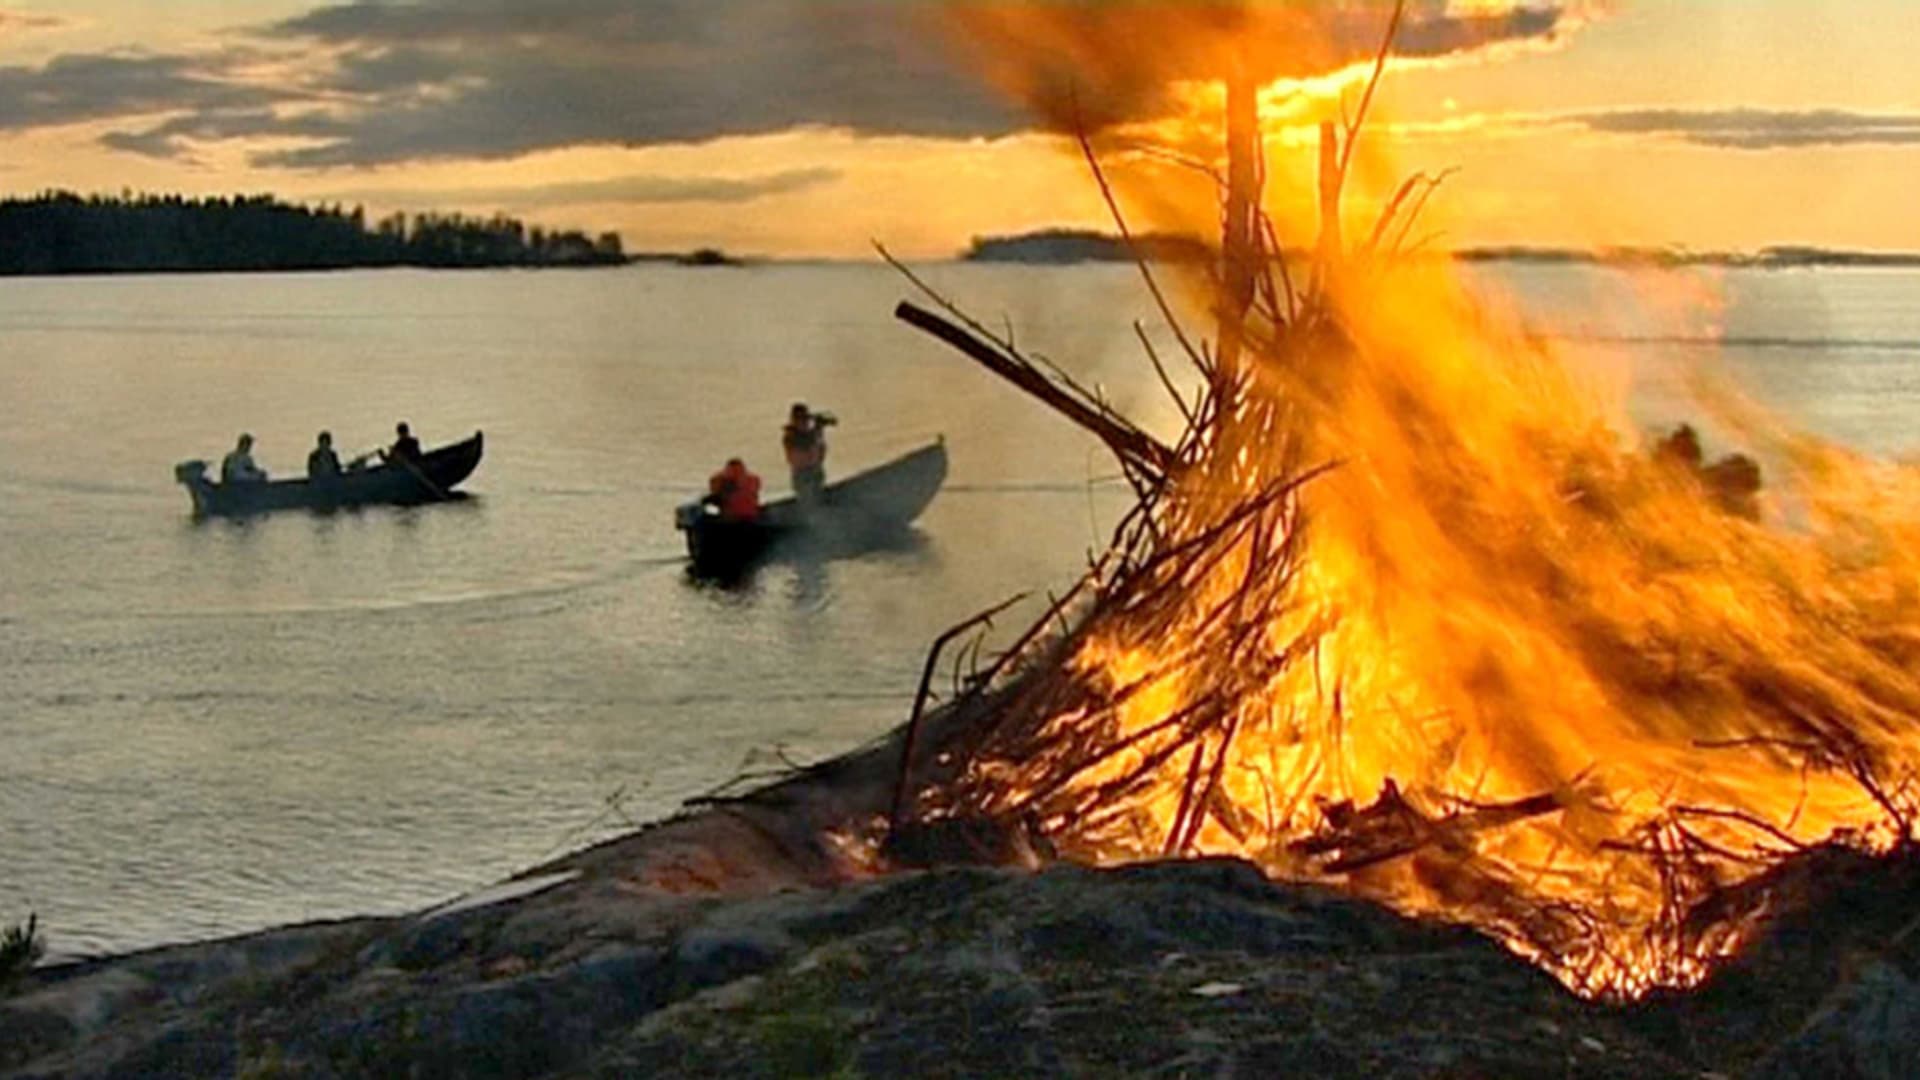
1418,621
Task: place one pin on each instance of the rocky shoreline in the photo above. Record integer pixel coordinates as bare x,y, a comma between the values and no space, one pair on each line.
1182,968
728,942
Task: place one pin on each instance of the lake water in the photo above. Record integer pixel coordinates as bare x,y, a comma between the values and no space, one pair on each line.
213,727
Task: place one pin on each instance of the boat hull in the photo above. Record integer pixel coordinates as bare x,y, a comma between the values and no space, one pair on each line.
431,480
864,511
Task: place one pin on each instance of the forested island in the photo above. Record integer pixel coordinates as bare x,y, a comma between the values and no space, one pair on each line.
59,232
1770,258
1056,246
1084,245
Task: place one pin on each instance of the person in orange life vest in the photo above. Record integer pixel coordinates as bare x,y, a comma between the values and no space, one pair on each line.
805,441
735,492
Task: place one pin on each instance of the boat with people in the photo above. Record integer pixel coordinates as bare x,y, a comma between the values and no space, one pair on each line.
863,511
399,481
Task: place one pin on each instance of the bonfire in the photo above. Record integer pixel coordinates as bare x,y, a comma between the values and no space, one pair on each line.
1407,611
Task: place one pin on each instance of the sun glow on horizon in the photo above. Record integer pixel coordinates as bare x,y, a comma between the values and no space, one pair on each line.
1557,141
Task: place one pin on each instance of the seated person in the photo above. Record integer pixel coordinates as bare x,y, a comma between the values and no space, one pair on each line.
735,492
238,467
404,448
1733,481
323,463
1682,448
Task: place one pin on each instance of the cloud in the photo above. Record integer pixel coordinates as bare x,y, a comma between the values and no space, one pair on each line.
1100,64
639,189
1761,129
20,22
173,138
384,82
466,79
78,88
459,79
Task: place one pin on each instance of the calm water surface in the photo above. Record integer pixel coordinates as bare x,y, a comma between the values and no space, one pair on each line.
207,728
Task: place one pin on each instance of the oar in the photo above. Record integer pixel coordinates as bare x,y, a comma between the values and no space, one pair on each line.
425,481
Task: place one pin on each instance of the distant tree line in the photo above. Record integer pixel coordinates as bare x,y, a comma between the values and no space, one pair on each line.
59,232
1084,245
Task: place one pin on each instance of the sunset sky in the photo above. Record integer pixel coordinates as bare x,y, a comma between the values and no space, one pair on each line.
786,127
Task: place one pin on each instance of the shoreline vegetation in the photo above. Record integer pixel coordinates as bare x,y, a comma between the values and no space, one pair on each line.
60,232
1065,246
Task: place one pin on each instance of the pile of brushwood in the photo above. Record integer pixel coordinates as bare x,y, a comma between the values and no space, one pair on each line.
1049,771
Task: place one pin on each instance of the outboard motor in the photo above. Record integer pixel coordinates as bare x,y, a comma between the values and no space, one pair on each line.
191,473
688,515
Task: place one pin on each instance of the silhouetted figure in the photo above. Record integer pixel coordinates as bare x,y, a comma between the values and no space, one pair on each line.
805,441
1733,482
238,467
405,449
735,492
1681,448
322,462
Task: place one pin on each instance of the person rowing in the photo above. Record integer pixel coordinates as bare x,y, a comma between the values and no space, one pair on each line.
405,453
405,448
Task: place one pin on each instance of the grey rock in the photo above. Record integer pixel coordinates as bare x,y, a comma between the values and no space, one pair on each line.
28,1033
714,954
1869,1029
90,1001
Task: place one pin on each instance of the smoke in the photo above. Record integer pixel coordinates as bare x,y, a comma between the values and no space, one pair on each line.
1089,66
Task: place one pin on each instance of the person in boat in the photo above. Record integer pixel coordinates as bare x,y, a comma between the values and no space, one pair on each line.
322,462
405,448
1733,481
735,492
1681,449
238,467
805,441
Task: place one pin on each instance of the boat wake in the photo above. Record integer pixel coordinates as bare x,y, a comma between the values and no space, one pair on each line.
620,572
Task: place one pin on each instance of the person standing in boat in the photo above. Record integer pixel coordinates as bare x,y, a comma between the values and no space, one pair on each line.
406,448
735,492
238,467
805,441
322,463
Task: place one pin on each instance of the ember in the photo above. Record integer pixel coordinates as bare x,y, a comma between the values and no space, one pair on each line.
1403,612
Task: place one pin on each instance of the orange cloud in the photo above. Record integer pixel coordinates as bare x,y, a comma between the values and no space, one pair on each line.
19,22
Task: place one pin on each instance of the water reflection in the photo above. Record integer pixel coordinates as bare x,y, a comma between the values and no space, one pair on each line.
809,558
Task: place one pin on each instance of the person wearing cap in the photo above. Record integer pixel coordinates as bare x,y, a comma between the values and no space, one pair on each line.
238,467
805,441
